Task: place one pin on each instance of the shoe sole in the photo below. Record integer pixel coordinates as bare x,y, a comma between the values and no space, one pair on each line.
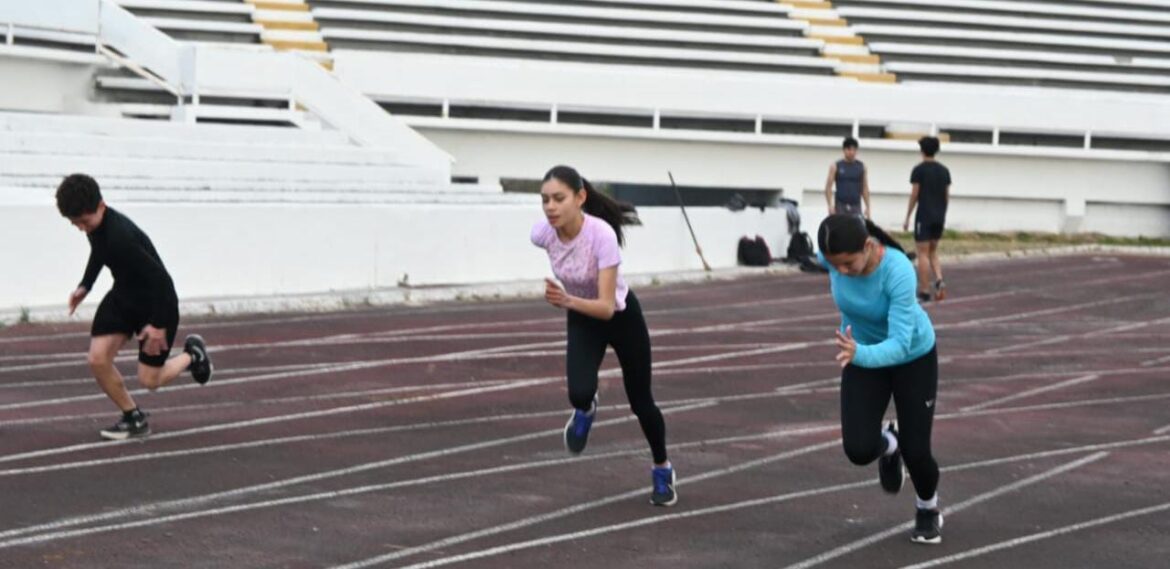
118,436
930,541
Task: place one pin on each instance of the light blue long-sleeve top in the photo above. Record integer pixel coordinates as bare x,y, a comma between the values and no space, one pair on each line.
889,325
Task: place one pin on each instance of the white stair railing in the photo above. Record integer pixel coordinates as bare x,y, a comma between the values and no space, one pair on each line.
189,72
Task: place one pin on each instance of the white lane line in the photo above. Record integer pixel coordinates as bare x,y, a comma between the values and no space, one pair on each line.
797,389
974,500
270,401
499,352
89,381
1030,392
79,358
202,327
593,504
1041,535
1156,361
411,334
789,432
1049,311
458,539
667,404
283,418
954,468
160,507
344,394
656,519
514,384
1127,327
989,355
392,336
1066,405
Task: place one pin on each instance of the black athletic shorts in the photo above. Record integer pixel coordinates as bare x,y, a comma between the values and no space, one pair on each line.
926,230
123,313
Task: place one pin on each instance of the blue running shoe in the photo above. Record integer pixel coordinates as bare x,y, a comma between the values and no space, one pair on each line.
577,429
664,494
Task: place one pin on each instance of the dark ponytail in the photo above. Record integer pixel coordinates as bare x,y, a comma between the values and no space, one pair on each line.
847,233
597,204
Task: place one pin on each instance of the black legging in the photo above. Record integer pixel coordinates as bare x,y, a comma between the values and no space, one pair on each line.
630,339
865,394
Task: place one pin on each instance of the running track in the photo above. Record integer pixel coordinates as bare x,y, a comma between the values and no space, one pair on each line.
430,437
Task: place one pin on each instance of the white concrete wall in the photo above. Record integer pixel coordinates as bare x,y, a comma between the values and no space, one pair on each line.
42,85
991,192
262,249
772,95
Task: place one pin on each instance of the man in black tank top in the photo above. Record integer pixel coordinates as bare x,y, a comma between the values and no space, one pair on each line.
931,194
852,182
142,304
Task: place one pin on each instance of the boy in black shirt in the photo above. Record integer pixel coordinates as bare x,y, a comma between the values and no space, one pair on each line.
931,192
142,304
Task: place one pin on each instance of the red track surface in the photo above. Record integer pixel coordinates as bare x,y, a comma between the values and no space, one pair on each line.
432,435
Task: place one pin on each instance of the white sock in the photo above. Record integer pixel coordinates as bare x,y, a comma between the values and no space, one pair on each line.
931,504
891,443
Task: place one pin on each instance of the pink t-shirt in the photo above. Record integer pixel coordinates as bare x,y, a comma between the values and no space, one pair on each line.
577,262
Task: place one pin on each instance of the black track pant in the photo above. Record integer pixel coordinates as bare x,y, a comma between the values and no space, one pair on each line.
626,332
865,394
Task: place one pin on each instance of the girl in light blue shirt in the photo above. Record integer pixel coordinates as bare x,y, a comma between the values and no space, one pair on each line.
887,351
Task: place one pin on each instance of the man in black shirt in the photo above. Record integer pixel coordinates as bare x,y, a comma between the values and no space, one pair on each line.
142,304
931,192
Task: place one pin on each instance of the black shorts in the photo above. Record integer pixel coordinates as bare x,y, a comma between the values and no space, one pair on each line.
121,313
925,230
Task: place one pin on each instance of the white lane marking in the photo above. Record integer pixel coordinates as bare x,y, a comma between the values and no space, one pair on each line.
1030,392
974,500
1008,544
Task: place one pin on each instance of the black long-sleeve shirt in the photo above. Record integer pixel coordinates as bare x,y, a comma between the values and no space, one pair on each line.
138,271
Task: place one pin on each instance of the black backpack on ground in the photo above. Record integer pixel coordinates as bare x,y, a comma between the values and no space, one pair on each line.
754,252
800,246
800,252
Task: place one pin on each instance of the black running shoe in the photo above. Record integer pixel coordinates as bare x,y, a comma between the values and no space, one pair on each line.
577,429
927,527
890,467
924,297
201,368
940,290
663,493
131,426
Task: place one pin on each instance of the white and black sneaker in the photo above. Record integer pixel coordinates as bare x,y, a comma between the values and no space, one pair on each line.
890,472
927,527
132,425
201,368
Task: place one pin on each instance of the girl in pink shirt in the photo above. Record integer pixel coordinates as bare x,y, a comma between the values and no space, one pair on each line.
582,234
